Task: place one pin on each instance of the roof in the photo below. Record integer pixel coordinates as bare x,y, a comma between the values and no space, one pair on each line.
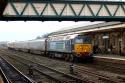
67,37
78,25
89,27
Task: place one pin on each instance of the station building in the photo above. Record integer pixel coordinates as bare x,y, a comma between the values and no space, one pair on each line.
108,37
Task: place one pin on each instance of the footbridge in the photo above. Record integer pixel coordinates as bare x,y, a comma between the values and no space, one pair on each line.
61,10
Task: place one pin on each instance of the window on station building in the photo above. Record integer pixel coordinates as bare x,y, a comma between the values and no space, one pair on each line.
96,40
113,40
105,38
124,38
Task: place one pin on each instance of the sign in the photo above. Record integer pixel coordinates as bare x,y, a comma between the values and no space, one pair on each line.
105,37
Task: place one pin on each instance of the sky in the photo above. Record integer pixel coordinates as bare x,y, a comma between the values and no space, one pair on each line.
21,31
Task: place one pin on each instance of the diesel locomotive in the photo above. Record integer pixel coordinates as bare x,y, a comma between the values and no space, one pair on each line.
68,47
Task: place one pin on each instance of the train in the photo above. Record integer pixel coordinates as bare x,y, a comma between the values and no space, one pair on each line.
68,47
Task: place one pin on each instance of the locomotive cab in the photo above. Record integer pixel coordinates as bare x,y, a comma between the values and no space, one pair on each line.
83,46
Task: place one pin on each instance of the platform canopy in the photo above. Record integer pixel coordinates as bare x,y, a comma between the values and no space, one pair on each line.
81,29
61,10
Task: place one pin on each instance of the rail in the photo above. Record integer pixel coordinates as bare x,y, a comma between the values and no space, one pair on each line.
52,73
12,74
3,76
100,76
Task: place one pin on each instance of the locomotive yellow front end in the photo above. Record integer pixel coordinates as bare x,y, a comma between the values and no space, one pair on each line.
83,47
83,50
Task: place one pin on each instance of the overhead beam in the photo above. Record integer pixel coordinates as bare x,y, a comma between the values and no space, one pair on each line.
3,4
64,10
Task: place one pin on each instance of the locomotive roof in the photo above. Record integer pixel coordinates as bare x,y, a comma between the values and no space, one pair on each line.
67,37
82,27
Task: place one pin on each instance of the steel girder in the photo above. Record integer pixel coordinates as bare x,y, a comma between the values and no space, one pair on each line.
60,10
3,4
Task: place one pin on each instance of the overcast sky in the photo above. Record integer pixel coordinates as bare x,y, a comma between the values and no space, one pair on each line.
19,30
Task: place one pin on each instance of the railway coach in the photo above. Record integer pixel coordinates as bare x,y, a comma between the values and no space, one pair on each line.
37,46
11,45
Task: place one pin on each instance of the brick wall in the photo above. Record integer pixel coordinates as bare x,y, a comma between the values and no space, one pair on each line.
116,41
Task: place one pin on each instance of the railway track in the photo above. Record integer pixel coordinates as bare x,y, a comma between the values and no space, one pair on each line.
3,77
51,73
101,77
12,74
116,67
84,71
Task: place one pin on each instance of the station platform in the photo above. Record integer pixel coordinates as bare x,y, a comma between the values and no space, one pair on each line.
112,58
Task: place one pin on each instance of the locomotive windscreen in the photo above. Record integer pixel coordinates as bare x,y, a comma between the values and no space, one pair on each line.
83,39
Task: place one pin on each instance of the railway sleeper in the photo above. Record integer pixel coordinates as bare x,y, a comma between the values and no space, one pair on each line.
108,80
73,79
121,78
